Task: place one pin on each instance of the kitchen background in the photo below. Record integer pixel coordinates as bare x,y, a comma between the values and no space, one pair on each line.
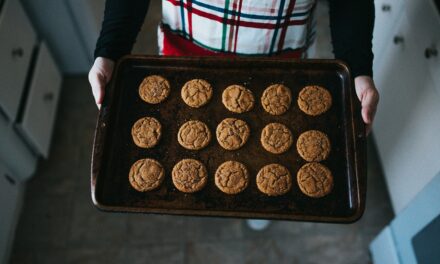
47,120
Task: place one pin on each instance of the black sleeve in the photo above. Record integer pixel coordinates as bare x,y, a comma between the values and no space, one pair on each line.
351,25
122,22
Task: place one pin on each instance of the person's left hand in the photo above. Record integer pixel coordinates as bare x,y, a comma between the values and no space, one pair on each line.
369,97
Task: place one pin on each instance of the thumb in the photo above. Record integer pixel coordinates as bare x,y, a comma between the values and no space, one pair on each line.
99,76
369,106
369,98
97,81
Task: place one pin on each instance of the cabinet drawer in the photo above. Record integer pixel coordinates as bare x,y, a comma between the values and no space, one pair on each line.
425,23
15,153
17,42
10,205
387,13
40,109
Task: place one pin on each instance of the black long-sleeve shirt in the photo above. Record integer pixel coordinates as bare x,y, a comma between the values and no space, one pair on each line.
351,25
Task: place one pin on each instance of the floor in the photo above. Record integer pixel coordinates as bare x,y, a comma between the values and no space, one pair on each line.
60,225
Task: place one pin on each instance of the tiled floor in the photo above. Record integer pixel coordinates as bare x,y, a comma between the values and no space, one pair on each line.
60,225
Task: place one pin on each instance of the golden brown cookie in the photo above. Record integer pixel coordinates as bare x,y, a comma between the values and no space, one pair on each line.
146,132
315,180
274,179
196,93
154,89
238,99
146,175
313,145
276,99
231,177
314,100
189,175
194,135
232,133
276,138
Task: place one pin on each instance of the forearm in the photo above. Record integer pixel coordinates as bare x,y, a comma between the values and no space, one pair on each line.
352,24
122,22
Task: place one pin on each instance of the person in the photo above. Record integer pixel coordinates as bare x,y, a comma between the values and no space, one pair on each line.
277,28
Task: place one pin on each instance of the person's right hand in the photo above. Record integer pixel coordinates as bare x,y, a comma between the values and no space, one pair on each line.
99,75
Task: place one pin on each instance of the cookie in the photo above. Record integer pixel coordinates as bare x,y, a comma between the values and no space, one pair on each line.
189,175
313,145
146,175
196,93
238,99
276,138
154,89
146,132
232,133
314,100
276,99
194,135
231,177
274,179
315,180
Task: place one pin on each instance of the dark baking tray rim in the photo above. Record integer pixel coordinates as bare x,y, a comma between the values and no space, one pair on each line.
357,140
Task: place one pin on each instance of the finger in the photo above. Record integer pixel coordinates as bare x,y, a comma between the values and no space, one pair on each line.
367,114
94,83
97,84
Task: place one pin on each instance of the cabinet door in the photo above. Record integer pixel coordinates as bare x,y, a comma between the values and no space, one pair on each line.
386,14
425,23
40,110
408,117
17,42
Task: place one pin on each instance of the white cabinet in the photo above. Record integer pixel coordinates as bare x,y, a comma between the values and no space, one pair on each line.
407,125
29,89
30,83
16,47
408,118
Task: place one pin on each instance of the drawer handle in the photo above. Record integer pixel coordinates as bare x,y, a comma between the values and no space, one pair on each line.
398,40
430,52
48,97
386,8
17,52
10,179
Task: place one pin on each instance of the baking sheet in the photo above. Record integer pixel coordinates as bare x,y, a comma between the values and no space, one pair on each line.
114,151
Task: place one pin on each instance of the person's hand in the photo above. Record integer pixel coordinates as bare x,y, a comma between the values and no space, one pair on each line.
369,97
99,75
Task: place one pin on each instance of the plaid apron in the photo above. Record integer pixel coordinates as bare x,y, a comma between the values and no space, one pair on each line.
236,27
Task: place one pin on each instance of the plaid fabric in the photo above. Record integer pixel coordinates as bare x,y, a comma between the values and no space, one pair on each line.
242,27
